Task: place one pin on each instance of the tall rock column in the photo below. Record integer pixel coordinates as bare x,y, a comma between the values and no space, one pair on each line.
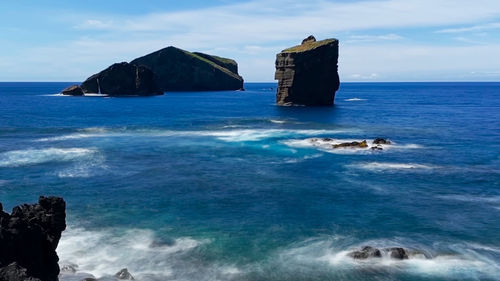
307,74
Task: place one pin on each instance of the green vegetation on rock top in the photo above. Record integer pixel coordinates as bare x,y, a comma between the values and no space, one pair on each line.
308,46
223,69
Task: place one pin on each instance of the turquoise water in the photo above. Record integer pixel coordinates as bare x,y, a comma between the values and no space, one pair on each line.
228,186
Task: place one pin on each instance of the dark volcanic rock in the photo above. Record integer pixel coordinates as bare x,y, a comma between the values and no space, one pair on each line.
353,144
73,90
179,70
122,79
309,39
29,238
371,252
124,275
307,73
381,141
366,252
398,253
14,272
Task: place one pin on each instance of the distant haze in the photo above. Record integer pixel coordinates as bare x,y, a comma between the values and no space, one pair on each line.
380,40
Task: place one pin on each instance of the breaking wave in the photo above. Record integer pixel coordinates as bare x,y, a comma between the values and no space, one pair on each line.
326,145
26,157
102,253
379,166
455,261
236,135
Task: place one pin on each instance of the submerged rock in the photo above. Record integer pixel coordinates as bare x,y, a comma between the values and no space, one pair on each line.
398,253
69,268
366,252
378,147
122,79
29,238
353,144
124,275
307,74
73,90
179,70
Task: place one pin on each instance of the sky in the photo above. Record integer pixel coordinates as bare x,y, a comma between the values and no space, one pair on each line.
380,40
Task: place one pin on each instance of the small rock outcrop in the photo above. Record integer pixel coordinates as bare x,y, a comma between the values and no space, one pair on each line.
307,74
180,70
122,79
381,141
28,240
366,252
73,90
124,275
372,252
353,144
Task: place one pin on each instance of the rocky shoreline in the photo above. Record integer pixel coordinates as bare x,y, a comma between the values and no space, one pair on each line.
28,240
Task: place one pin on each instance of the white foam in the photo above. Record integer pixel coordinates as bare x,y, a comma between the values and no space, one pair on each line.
326,145
85,168
302,159
380,166
278,121
236,135
466,262
17,158
105,252
355,99
471,198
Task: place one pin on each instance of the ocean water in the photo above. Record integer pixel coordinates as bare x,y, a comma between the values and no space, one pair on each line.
228,186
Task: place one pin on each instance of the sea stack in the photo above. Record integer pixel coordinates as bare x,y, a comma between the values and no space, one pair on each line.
307,74
28,240
122,79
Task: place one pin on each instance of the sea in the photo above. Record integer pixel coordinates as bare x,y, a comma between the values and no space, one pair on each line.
229,186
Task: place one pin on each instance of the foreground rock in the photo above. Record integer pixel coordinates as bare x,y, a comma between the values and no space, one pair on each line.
29,238
73,90
180,70
371,252
307,74
122,79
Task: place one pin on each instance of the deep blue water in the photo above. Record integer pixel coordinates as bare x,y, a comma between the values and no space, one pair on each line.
228,186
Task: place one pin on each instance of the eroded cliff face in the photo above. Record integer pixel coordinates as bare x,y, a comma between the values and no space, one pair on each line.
122,79
29,238
307,74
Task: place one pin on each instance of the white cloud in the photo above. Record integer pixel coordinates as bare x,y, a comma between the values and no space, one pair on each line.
419,62
261,21
95,24
253,32
373,38
494,25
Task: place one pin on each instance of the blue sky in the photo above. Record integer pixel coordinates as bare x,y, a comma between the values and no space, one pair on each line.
380,40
